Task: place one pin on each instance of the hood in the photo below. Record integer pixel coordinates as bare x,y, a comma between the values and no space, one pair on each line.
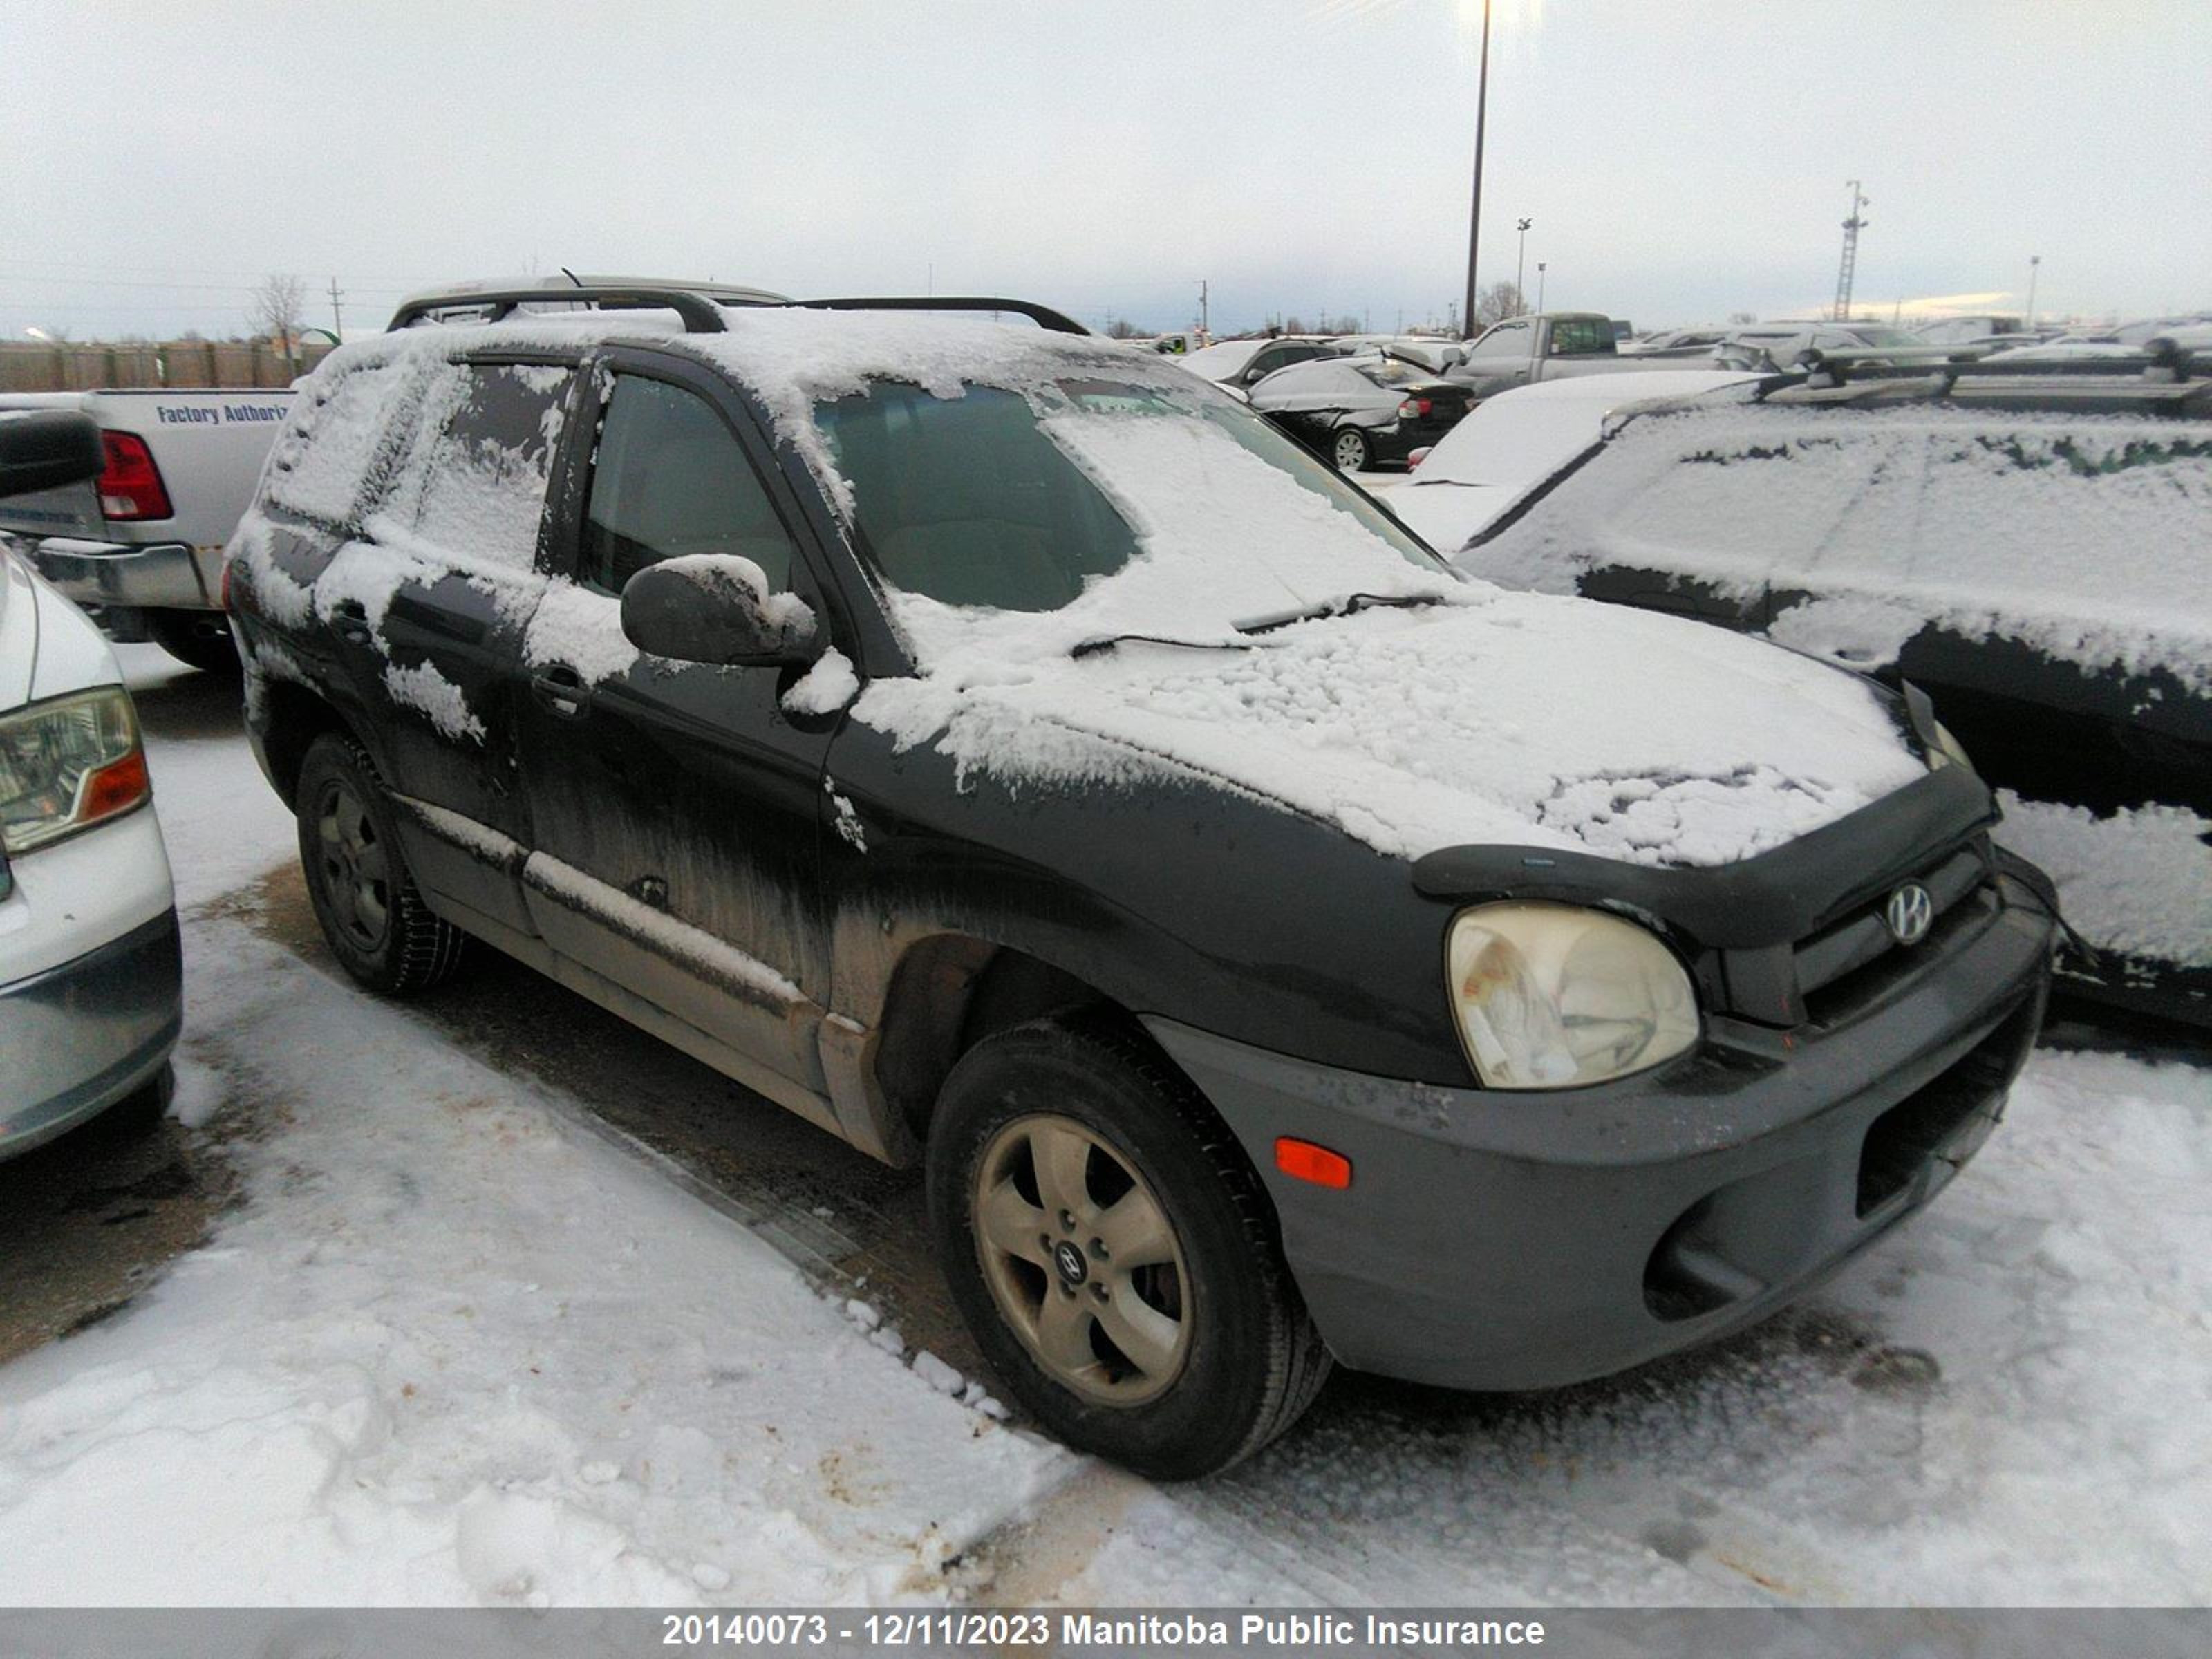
47,646
1491,718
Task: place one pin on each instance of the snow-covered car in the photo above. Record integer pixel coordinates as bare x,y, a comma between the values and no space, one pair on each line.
1517,437
1362,411
1771,347
1674,343
1016,757
2191,333
1236,365
91,988
2034,549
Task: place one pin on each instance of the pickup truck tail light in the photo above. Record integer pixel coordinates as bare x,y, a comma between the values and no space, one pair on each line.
1414,409
131,486
67,763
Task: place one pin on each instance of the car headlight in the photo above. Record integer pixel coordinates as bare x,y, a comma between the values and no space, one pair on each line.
1947,750
1555,996
67,763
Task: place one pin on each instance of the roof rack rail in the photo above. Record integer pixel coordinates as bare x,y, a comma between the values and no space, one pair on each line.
1044,316
2161,361
700,314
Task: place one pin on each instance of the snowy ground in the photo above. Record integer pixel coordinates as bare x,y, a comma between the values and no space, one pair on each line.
455,1347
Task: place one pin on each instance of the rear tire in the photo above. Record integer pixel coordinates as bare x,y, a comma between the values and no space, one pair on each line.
365,897
1349,450
199,638
1182,1347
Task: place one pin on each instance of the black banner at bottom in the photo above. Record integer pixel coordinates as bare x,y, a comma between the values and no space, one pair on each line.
1144,1633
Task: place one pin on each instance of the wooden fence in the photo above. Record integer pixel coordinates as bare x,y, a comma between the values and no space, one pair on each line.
35,366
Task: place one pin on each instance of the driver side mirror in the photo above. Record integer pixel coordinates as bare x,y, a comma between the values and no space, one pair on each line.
715,608
47,448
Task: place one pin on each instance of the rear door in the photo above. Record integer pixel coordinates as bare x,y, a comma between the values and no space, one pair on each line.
675,806
429,604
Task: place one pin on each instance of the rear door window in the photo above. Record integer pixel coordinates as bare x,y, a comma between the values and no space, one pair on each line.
490,431
672,479
1575,336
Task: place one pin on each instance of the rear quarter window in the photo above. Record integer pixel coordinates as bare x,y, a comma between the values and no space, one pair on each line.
342,439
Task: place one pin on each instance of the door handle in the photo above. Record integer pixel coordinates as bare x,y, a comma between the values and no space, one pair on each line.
563,691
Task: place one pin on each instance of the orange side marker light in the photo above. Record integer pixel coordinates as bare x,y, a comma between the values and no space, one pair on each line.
1303,1161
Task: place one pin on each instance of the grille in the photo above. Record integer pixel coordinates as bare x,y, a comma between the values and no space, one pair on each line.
1853,958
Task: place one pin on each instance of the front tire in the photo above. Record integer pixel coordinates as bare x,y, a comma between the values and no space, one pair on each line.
365,897
1113,1252
1349,450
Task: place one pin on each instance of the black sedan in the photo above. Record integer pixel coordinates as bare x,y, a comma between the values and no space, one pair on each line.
1359,412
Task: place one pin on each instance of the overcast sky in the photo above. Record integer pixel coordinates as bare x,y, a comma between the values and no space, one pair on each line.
1681,161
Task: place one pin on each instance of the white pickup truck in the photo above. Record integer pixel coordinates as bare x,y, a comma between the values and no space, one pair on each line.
141,546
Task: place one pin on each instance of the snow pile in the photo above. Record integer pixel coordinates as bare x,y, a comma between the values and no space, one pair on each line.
1980,522
456,1350
2139,882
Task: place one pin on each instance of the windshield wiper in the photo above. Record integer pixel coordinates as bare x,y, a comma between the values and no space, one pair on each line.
1108,641
1344,607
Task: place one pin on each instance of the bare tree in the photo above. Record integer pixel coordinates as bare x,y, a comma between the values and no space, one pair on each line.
1498,302
279,308
1743,316
1122,329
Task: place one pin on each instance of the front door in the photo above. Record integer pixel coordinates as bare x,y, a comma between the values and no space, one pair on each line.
674,806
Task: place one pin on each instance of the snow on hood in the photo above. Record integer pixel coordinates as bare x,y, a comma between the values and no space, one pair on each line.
1503,717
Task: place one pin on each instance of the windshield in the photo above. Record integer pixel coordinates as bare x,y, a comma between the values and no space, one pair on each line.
1128,506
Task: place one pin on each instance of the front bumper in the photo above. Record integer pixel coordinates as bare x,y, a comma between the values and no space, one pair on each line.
79,1037
1501,1241
161,576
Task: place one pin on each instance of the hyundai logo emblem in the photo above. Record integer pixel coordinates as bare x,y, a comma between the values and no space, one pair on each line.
1910,913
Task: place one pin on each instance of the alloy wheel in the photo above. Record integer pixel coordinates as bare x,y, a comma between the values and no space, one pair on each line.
1082,1260
356,870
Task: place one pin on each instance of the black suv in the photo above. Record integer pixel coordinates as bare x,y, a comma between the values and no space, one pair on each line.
1012,754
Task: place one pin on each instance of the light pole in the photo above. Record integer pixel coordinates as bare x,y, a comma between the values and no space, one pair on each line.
1539,288
2034,260
1475,215
1521,262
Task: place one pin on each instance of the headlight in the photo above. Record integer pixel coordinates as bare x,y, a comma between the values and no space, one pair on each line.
66,764
1555,996
1946,751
